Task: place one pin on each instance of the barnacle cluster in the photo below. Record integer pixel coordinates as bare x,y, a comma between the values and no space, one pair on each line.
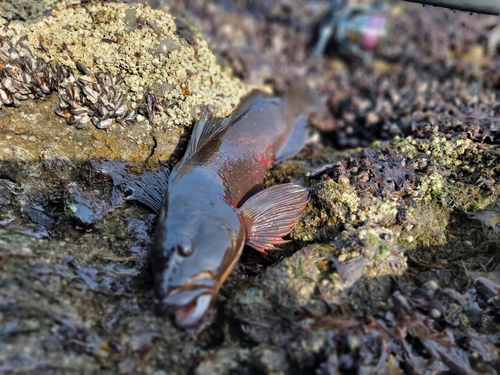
479,122
383,173
92,97
378,188
111,61
22,74
82,98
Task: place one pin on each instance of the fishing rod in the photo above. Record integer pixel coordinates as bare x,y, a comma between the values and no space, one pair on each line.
476,6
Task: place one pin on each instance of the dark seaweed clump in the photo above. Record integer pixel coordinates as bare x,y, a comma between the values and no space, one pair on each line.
384,173
420,334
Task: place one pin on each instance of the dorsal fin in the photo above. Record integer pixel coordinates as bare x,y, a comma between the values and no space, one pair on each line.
206,129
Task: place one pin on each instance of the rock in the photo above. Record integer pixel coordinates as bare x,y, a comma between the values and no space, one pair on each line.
100,63
378,275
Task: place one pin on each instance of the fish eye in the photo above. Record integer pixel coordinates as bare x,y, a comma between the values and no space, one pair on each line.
184,246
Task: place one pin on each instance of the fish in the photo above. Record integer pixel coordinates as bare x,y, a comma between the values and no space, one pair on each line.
214,203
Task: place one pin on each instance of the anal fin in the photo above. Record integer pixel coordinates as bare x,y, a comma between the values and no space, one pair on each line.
296,140
271,214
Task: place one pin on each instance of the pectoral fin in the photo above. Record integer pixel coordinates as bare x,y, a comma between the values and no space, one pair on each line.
271,214
149,188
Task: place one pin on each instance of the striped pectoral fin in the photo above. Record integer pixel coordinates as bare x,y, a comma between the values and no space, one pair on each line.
271,214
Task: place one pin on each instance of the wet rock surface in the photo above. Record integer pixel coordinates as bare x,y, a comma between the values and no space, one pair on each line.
394,266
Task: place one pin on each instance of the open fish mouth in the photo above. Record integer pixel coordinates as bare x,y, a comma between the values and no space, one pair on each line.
188,306
191,314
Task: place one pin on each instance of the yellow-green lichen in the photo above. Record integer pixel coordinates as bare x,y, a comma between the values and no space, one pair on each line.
142,45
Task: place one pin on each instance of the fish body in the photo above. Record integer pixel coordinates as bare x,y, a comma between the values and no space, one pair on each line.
213,205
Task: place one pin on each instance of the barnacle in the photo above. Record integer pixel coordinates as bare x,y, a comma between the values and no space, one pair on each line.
82,98
22,74
145,67
383,173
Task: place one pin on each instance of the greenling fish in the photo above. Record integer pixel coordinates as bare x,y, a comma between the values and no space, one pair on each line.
214,203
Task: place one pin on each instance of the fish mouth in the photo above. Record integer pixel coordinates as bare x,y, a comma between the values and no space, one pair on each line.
188,306
191,314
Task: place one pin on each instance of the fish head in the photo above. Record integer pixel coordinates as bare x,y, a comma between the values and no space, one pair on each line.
194,251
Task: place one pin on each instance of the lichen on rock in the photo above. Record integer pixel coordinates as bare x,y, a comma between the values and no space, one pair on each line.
116,61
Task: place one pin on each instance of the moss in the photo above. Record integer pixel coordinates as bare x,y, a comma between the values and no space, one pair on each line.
473,206
341,200
309,227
